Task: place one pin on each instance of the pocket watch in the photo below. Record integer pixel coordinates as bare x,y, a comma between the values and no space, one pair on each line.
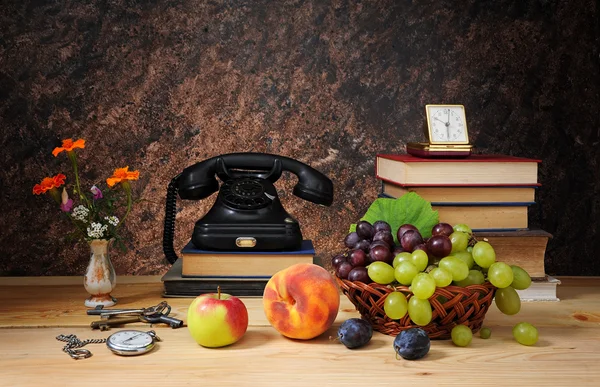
131,342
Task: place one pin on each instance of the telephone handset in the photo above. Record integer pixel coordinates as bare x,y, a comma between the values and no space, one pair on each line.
247,214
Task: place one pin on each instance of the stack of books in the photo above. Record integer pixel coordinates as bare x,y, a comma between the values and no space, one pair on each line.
238,273
490,193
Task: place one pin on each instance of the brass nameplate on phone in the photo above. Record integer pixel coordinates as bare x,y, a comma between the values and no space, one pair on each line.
245,242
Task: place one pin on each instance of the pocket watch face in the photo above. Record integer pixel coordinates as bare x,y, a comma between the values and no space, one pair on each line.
131,339
447,124
130,342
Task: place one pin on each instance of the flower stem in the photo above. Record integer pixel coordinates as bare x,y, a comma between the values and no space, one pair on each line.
77,226
73,159
127,188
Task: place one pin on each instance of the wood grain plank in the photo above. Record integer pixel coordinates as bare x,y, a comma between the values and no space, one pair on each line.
72,280
568,352
62,305
265,358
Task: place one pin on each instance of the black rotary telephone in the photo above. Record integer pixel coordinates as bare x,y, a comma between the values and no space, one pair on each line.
247,213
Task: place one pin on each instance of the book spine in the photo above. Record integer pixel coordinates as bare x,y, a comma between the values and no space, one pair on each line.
227,277
517,224
383,195
307,248
407,158
397,191
482,204
457,185
499,229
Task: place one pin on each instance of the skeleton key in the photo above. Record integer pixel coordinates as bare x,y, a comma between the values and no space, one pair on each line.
106,324
156,309
161,318
98,310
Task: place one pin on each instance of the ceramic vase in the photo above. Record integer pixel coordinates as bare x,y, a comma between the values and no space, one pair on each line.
100,278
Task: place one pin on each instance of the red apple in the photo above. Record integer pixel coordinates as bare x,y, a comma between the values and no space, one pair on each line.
217,319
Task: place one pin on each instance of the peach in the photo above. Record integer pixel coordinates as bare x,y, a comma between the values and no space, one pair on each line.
301,301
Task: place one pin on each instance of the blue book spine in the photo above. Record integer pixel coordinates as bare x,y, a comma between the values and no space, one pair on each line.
482,204
468,204
306,247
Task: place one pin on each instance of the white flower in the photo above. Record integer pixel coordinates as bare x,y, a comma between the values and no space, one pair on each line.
96,230
80,213
112,220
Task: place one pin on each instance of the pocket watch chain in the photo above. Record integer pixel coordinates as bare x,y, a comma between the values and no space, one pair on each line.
73,346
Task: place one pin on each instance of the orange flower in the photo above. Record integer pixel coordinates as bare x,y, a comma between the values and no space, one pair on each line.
59,180
68,145
122,174
48,183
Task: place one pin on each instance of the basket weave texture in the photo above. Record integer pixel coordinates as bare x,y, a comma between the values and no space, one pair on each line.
462,305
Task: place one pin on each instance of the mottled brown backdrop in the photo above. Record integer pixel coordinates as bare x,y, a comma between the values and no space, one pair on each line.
159,85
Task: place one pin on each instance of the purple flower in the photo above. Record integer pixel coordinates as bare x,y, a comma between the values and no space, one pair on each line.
66,207
96,192
66,203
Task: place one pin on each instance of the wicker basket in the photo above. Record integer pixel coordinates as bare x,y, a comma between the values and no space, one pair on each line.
464,305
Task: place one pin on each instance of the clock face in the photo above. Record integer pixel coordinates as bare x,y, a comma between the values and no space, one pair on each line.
447,124
131,339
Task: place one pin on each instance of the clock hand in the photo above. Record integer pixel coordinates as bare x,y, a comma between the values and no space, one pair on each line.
132,337
435,118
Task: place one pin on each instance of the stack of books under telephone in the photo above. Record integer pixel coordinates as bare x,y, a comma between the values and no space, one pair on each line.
238,273
490,193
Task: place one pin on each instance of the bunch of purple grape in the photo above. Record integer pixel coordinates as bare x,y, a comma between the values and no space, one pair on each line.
375,242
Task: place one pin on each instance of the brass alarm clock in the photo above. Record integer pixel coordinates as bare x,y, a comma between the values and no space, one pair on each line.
446,130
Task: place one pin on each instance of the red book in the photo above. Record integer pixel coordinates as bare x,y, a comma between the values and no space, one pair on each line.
475,170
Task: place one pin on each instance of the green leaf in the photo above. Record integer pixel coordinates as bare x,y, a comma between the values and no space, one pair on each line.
409,208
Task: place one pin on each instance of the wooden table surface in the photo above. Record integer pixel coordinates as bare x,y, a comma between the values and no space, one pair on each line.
33,311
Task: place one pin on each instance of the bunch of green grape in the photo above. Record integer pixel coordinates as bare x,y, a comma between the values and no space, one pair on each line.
451,256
